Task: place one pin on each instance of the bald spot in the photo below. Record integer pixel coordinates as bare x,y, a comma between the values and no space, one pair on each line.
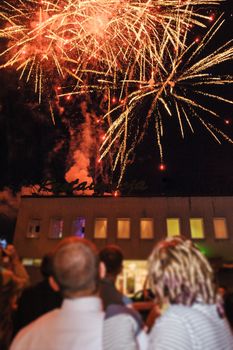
76,266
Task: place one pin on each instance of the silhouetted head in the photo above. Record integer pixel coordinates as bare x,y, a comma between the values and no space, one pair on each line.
46,267
112,257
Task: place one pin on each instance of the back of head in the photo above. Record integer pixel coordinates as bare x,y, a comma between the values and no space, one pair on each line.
179,272
46,267
76,267
112,257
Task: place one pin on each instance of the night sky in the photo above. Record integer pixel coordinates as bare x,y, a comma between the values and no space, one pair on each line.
32,148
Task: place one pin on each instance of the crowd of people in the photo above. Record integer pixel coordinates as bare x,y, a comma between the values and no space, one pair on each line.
77,305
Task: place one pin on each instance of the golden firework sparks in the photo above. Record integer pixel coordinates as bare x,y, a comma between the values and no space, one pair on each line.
107,36
137,50
177,90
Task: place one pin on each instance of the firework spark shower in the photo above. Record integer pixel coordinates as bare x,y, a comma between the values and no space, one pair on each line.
128,51
99,35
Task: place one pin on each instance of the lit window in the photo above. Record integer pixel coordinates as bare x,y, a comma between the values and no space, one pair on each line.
146,228
31,262
220,228
100,228
123,228
78,227
197,228
132,278
173,227
56,228
33,228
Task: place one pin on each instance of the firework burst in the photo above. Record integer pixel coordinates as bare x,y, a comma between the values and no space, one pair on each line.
49,38
181,89
34,45
137,53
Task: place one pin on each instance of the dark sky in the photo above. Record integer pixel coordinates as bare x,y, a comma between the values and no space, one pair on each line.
32,148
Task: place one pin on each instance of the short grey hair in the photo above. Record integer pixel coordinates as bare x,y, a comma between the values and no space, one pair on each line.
76,266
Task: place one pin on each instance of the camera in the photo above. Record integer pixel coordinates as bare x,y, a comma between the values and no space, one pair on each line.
3,243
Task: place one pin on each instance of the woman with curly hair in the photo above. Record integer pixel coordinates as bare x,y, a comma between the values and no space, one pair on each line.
192,311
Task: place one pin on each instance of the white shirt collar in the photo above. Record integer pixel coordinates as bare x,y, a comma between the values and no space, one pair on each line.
90,303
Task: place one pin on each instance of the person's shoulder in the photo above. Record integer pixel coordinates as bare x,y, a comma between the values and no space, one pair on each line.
173,319
33,330
195,311
123,329
46,318
121,310
178,317
122,317
180,310
169,330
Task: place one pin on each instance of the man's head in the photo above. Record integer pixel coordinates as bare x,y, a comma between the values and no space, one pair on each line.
179,272
112,257
76,267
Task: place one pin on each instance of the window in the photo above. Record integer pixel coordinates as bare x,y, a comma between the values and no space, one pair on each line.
220,228
123,228
33,228
173,227
31,262
100,228
78,227
146,229
56,228
132,278
197,228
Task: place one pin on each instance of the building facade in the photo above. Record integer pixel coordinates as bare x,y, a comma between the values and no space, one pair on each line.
133,223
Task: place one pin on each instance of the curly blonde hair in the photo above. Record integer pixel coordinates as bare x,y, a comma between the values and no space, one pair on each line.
180,272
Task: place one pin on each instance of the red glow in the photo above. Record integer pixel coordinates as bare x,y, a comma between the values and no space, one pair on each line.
227,121
116,193
68,98
197,40
114,100
162,167
211,18
103,137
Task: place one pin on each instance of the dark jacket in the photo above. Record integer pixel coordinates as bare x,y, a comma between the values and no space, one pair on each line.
34,302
